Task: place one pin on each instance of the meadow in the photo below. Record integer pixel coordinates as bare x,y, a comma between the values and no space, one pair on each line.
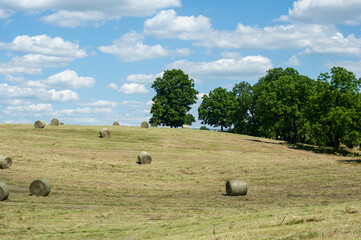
100,192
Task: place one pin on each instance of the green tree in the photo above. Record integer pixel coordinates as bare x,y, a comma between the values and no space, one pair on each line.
175,94
335,110
216,108
243,118
280,100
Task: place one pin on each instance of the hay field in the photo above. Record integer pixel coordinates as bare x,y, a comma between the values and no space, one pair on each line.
100,192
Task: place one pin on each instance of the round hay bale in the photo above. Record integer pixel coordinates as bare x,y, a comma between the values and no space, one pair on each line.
40,187
54,122
236,187
39,124
185,126
4,191
62,124
104,133
5,162
144,125
115,124
144,158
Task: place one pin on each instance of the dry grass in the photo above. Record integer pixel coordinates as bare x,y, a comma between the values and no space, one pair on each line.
100,192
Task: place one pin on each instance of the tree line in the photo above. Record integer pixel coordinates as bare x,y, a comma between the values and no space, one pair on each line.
283,104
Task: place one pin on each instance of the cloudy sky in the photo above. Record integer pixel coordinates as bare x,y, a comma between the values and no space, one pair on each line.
93,62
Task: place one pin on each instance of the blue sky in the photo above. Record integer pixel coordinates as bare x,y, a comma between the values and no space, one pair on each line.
92,62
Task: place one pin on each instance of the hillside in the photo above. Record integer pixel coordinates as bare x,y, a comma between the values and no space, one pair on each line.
100,192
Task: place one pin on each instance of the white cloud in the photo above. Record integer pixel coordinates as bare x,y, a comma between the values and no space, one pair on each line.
167,24
113,86
16,92
12,79
352,66
7,69
44,45
247,68
143,78
130,48
37,61
293,61
29,109
65,79
69,78
63,96
5,13
129,88
309,38
74,19
149,103
70,13
200,96
325,11
101,103
133,88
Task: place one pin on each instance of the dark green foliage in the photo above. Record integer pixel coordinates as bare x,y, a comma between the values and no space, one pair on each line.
217,108
281,98
243,118
175,94
335,110
203,128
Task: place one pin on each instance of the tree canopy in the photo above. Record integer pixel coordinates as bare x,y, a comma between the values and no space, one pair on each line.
334,112
283,104
175,94
217,108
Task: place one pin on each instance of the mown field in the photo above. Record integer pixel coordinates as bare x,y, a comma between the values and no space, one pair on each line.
100,192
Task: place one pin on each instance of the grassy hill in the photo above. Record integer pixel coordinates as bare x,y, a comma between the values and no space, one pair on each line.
100,192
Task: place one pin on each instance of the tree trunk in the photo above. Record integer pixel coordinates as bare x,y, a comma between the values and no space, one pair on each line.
221,128
336,144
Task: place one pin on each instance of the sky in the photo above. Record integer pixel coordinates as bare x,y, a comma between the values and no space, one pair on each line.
93,62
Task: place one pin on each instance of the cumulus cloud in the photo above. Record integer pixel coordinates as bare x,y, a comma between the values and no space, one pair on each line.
16,92
247,68
353,66
133,88
86,110
69,13
8,69
143,78
68,79
167,24
63,96
44,45
130,48
29,109
41,51
325,11
307,37
293,61
129,88
5,13
311,38
101,103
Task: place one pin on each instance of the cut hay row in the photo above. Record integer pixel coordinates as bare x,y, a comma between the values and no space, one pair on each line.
40,187
4,191
5,162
